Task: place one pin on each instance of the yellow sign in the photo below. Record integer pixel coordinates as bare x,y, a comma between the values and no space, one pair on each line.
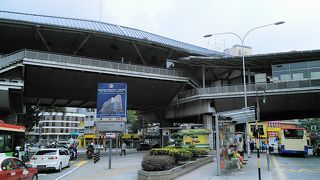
197,137
90,136
129,136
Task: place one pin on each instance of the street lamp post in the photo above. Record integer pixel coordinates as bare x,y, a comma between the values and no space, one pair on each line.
244,70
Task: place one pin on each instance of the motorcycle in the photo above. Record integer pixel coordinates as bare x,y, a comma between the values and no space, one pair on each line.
89,153
72,154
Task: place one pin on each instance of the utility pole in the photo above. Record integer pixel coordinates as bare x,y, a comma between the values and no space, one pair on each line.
258,135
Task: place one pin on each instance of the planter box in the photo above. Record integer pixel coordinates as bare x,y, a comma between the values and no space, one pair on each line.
174,172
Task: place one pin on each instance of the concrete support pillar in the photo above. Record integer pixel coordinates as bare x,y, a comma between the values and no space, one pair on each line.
207,122
203,77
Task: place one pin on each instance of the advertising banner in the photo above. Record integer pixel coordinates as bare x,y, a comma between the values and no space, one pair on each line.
112,100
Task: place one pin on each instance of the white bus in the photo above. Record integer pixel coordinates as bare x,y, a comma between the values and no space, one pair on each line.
293,141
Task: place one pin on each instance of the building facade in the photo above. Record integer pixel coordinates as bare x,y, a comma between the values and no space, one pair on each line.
58,127
296,71
236,50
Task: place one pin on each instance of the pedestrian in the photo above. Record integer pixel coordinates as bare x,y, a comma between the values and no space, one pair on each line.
123,148
251,145
240,147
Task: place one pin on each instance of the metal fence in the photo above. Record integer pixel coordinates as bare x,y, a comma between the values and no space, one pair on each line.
59,58
9,59
239,89
102,63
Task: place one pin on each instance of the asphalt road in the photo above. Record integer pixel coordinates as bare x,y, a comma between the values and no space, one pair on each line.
296,168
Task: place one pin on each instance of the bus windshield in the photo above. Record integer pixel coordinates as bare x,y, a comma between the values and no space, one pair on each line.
293,133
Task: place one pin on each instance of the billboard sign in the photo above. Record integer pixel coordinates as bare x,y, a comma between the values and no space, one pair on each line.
112,100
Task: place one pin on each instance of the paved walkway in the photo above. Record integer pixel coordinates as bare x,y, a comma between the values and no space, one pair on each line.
209,171
126,168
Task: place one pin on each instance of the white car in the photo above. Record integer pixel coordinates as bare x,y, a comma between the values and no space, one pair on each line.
50,159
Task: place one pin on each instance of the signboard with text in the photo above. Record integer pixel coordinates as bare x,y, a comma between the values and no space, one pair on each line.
110,126
112,100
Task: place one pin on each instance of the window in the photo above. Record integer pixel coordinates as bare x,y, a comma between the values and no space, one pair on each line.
46,152
61,152
293,133
8,142
314,64
7,165
299,65
1,142
280,67
19,164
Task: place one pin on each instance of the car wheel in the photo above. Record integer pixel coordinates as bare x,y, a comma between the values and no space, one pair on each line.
60,167
35,177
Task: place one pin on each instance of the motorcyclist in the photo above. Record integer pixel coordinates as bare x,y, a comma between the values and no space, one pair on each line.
16,152
90,150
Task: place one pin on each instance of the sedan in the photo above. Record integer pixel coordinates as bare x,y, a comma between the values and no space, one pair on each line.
14,169
50,159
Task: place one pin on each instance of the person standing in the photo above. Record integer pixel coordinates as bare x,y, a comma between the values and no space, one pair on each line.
123,148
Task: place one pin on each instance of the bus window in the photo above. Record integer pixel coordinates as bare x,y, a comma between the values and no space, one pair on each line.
293,133
8,142
1,142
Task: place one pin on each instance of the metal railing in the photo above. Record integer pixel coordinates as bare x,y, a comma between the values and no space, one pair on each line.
9,59
239,89
103,63
74,60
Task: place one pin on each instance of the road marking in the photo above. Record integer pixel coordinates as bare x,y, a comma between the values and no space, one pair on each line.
78,165
304,170
81,163
278,168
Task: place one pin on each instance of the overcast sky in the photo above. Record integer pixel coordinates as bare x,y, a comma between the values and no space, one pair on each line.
189,20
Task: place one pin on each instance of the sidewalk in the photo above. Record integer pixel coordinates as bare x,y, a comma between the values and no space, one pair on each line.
250,171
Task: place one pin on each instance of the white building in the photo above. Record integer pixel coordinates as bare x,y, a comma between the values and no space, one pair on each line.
58,126
236,50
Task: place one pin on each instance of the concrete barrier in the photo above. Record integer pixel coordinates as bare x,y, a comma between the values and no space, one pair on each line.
174,172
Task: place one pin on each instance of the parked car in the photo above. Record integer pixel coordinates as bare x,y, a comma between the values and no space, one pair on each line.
143,147
50,159
14,169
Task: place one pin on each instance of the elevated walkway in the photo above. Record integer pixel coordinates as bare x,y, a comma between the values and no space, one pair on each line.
263,89
54,60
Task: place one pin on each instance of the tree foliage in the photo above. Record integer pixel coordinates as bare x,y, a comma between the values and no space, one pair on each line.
132,119
309,123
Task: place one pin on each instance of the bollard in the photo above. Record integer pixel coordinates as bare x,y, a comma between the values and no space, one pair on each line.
96,157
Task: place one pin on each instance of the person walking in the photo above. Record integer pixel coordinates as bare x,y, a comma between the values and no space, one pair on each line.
123,148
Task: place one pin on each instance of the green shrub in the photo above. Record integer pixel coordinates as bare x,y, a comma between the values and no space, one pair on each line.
178,153
157,163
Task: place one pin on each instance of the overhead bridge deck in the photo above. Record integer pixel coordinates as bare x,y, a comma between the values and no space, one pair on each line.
54,60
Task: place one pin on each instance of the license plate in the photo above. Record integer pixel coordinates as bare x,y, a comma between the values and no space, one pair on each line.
41,166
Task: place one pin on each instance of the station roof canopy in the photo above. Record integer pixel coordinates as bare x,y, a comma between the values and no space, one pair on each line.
238,115
101,28
259,61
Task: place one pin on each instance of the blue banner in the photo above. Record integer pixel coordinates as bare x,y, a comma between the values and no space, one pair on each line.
112,100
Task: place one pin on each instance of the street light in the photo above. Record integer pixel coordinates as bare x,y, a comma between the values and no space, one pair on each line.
243,68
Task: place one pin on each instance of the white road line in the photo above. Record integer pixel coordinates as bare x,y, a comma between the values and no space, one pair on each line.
67,173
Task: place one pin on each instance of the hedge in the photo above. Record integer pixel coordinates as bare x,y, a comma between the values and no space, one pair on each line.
178,154
157,163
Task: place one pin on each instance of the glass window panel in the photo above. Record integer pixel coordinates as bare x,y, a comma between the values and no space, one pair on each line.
299,65
313,64
280,67
315,73
300,74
